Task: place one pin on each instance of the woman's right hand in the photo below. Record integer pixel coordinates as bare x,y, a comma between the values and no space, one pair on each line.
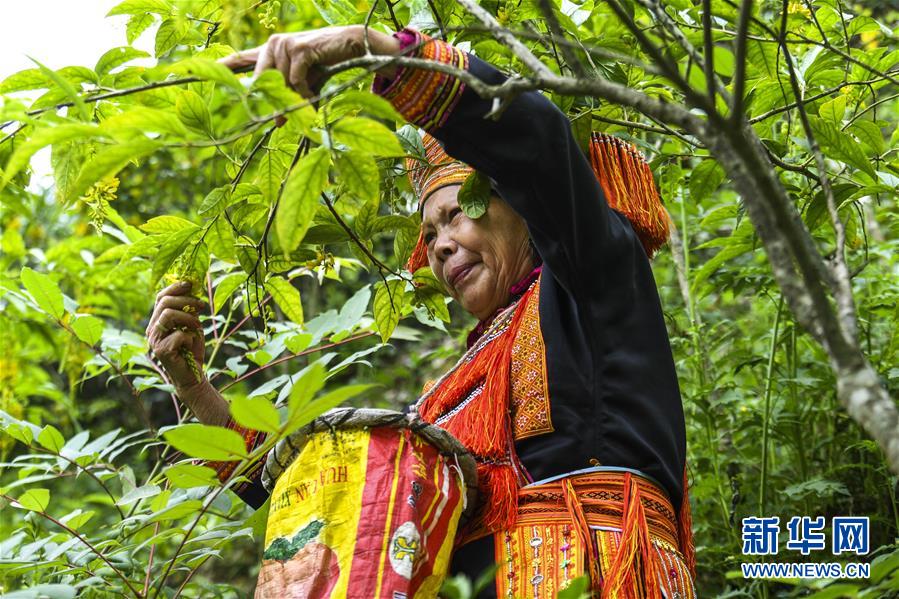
175,332
300,55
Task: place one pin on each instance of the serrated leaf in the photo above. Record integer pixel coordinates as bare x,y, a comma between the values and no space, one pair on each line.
45,292
137,24
43,137
165,224
170,33
116,57
387,306
35,500
67,160
207,442
271,85
474,195
269,173
300,198
287,297
193,112
208,70
88,328
367,136
256,413
188,476
108,162
359,173
50,438
137,7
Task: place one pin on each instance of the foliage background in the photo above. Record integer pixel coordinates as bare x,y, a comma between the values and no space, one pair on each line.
183,180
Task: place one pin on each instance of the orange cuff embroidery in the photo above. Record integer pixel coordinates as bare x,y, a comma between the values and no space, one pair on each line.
427,98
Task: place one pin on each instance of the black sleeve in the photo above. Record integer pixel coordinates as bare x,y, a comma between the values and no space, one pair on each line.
537,167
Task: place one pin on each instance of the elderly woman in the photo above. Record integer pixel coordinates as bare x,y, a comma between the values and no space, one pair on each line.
567,395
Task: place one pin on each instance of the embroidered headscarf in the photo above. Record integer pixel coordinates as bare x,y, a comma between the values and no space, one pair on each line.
620,168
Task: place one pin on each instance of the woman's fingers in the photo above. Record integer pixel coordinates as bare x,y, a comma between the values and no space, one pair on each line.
185,303
243,59
169,320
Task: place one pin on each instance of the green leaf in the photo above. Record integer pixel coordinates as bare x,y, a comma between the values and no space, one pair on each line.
359,173
705,180
225,289
834,110
137,7
135,495
840,146
143,119
35,500
116,57
221,242
173,246
50,438
870,135
387,306
287,297
192,110
208,70
179,510
256,413
314,409
300,199
215,201
43,137
188,476
24,81
474,196
207,442
368,102
137,24
166,224
45,292
66,86
367,136
108,162
88,328
435,303
271,85
170,33
310,381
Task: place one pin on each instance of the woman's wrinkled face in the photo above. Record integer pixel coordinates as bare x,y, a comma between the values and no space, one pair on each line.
476,260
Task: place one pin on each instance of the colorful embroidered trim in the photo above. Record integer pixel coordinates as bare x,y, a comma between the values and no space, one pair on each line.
530,389
224,470
616,526
427,98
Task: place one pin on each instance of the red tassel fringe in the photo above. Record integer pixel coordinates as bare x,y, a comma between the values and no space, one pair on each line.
629,188
483,426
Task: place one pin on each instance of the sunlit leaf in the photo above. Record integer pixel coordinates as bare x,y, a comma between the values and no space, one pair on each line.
45,292
207,442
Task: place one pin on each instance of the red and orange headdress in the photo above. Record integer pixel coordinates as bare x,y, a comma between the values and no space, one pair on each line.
621,169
